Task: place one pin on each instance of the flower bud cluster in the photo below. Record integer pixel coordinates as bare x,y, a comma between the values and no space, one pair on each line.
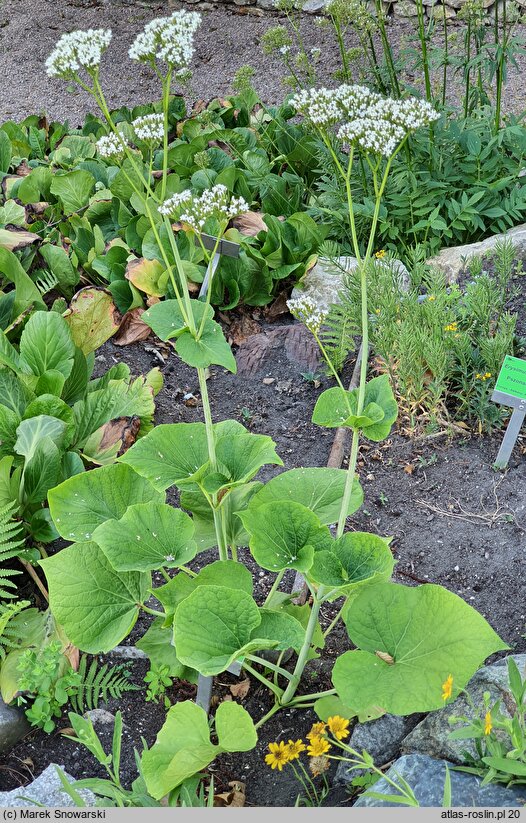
377,124
149,127
170,39
215,203
111,147
78,50
306,311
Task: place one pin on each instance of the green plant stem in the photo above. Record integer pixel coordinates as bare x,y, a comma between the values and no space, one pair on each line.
167,82
266,664
262,679
423,44
301,662
309,697
155,612
275,708
275,586
211,442
446,56
333,622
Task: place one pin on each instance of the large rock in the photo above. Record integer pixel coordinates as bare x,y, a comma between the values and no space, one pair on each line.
431,736
380,738
426,778
46,790
323,283
13,726
452,261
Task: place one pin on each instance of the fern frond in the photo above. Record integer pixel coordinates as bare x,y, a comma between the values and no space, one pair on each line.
11,542
99,684
9,635
338,333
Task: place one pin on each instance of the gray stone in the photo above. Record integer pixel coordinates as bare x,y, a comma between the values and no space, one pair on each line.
437,12
380,738
431,736
13,726
128,653
314,6
46,790
452,261
405,8
426,777
322,283
100,717
268,5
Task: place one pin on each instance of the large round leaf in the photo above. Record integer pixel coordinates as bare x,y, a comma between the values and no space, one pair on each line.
228,573
409,640
147,537
212,625
284,535
86,500
319,489
355,559
94,604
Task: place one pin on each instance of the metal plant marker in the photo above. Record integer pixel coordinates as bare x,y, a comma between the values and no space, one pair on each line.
510,390
225,247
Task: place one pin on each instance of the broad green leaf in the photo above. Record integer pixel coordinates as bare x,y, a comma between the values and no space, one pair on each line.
73,189
353,560
166,319
172,454
506,765
242,455
48,404
428,632
17,239
182,749
46,344
228,573
86,500
13,393
118,399
12,213
280,627
148,276
9,422
337,407
148,536
9,355
51,382
95,605
284,535
211,348
212,625
31,431
26,291
92,318
157,644
330,706
231,504
42,471
235,728
60,264
5,152
319,489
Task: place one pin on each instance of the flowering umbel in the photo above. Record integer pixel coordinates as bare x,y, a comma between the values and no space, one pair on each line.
111,147
149,127
304,309
78,50
170,39
215,203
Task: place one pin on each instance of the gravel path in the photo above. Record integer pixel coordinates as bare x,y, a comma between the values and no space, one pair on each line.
227,40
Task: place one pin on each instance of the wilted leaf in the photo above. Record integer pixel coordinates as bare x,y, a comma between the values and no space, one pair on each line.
250,223
15,240
112,440
92,318
233,798
132,329
241,689
242,329
147,276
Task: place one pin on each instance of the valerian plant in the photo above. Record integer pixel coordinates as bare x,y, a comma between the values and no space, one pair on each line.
122,530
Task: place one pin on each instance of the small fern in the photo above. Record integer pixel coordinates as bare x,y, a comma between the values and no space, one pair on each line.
340,326
10,634
99,684
11,542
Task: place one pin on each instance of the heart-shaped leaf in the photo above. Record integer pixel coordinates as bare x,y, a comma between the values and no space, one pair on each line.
86,500
353,560
337,407
210,348
226,573
242,455
284,535
94,604
148,536
319,489
409,640
166,319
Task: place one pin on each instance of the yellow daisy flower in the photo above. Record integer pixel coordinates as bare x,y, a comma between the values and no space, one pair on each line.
278,757
339,727
295,748
447,687
318,746
317,730
380,254
488,725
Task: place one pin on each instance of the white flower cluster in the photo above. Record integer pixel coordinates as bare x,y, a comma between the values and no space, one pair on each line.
167,38
78,50
111,147
305,309
213,203
149,127
377,124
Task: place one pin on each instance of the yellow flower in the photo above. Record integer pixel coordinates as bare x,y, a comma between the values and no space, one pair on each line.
380,254
447,687
318,765
316,731
431,297
488,725
295,748
278,757
450,327
318,746
338,726
377,311
487,375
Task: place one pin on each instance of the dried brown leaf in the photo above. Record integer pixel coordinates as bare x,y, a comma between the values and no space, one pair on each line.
241,329
132,329
250,223
241,689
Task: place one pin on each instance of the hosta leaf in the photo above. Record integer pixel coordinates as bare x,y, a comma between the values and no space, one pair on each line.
86,500
284,535
46,344
355,559
212,625
92,318
319,489
95,605
147,537
427,631
172,454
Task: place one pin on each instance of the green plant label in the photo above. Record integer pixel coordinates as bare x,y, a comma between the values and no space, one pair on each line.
512,378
